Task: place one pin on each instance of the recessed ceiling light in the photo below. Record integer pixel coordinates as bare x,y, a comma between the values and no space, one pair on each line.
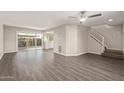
110,20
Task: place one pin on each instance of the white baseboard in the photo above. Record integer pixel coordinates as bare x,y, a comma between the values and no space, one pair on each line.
10,51
71,54
1,55
94,53
78,54
60,53
116,49
81,53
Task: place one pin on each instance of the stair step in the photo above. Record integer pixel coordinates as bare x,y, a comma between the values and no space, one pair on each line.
113,51
113,55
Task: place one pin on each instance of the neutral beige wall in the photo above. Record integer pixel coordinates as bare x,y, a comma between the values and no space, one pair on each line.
123,38
48,44
76,40
113,35
82,39
1,41
11,39
60,39
22,30
72,38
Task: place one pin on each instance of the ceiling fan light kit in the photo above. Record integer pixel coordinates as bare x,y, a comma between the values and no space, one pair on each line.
83,17
110,20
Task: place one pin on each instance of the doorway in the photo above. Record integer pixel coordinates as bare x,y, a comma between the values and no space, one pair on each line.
30,41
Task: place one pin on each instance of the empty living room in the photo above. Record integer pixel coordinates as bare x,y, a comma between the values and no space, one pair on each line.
61,45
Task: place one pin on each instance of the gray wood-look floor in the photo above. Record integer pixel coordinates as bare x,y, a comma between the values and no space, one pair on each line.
43,65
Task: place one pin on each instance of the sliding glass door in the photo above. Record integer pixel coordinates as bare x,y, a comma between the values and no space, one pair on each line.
26,40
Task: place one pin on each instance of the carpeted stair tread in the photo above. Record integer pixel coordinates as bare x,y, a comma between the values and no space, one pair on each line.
113,53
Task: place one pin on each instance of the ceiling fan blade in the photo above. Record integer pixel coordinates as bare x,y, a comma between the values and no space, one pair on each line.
96,15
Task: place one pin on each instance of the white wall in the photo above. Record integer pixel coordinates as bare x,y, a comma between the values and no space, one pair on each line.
76,40
113,35
48,45
123,38
60,39
72,38
11,39
1,41
22,30
82,39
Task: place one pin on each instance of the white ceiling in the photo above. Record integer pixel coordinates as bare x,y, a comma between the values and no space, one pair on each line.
117,16
44,20
35,19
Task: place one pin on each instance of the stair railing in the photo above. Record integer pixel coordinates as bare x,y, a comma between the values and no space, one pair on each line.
99,38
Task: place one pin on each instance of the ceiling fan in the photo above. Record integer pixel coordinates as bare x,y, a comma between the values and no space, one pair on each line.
83,17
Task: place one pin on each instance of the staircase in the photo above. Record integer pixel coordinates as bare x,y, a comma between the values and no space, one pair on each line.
105,51
112,53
